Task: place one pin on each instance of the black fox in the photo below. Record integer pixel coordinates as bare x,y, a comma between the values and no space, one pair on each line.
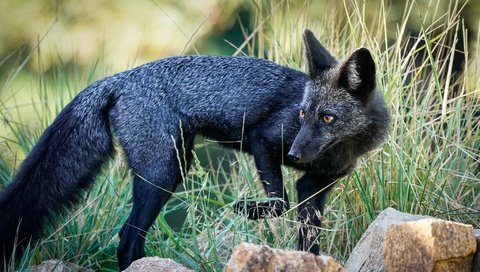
324,121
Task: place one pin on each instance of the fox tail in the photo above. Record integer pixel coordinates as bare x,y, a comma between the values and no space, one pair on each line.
63,163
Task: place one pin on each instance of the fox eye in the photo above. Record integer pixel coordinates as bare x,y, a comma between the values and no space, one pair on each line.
302,114
327,118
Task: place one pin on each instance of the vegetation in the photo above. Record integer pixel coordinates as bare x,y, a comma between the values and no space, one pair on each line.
428,165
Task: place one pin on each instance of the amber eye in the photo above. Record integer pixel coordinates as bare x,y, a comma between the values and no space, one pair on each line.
302,114
328,119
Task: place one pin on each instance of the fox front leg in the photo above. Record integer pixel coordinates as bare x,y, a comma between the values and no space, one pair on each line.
312,191
269,169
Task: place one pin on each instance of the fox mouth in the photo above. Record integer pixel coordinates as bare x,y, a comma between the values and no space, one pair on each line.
323,149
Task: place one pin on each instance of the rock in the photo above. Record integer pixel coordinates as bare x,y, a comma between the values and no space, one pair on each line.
261,258
397,241
367,254
156,264
429,245
476,258
57,266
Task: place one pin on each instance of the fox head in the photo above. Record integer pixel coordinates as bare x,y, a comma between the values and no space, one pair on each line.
334,105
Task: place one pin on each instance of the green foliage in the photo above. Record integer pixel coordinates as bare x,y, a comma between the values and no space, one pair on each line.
428,165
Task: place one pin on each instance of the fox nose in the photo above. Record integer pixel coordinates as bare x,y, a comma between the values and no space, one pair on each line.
294,156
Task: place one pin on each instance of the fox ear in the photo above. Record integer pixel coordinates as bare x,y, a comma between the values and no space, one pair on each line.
357,74
318,58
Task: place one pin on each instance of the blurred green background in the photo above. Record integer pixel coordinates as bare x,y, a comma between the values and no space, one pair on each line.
125,33
128,33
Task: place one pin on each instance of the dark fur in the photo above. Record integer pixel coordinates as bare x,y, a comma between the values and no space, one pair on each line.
158,108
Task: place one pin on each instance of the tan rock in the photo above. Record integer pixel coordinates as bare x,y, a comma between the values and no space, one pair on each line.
57,266
398,241
261,258
429,245
156,264
368,252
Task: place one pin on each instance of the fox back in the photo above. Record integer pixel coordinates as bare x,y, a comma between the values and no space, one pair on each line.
212,95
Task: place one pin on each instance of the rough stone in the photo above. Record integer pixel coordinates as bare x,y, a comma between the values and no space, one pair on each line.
429,245
397,241
156,264
261,258
368,253
57,266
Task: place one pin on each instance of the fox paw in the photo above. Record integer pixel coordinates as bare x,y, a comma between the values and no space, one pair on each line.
256,210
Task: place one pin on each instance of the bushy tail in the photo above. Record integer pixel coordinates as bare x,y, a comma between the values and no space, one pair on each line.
63,163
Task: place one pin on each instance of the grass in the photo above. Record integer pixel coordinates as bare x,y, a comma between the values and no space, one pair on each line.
428,165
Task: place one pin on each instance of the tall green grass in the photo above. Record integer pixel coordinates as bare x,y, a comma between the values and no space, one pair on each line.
428,165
